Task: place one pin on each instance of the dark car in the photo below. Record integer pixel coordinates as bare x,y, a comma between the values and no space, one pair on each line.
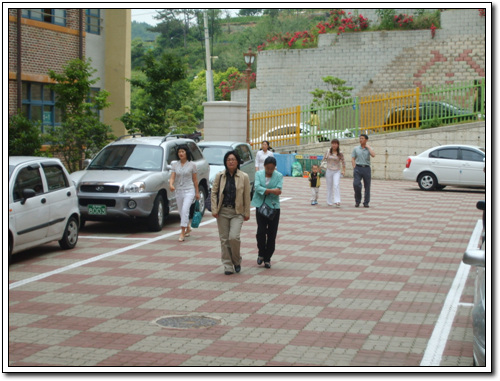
196,136
406,116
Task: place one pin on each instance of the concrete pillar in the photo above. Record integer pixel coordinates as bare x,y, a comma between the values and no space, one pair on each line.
225,121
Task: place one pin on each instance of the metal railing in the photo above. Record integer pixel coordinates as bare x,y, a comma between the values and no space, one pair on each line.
397,111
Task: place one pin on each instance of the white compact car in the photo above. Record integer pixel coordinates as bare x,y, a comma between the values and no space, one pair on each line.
456,165
286,135
43,204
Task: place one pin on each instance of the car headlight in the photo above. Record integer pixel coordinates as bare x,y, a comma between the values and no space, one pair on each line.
136,187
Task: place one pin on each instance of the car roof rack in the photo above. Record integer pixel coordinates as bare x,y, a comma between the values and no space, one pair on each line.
128,136
171,137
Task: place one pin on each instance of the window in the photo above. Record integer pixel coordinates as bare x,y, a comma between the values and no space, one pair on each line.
195,151
447,153
27,178
39,104
470,155
244,153
52,16
55,177
93,21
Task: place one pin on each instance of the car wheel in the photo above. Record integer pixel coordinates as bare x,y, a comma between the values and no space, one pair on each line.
427,181
11,247
157,216
196,140
70,236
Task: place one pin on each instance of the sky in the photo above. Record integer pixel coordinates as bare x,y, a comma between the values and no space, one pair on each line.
147,15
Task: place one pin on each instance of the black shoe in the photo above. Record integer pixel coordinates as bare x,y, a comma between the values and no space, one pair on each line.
260,260
228,272
237,268
357,205
268,265
366,205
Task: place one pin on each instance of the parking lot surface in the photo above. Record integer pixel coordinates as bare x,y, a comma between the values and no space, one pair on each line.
349,287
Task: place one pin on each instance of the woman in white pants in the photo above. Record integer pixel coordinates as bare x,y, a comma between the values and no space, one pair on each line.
335,167
184,181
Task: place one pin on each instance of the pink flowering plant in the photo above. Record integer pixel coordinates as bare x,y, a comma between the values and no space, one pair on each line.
235,81
339,22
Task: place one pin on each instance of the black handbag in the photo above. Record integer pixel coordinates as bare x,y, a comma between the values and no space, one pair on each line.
267,211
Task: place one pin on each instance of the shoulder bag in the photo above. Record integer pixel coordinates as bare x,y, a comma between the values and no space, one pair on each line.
266,210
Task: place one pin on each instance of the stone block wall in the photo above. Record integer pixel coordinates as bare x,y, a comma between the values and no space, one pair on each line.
372,62
392,149
225,121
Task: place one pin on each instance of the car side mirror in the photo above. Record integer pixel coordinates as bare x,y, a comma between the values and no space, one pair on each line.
481,205
86,163
474,257
27,193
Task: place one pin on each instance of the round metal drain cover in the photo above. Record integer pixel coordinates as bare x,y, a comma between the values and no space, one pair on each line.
188,321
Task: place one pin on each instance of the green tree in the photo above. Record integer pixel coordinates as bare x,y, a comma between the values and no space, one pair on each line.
182,121
24,136
162,86
335,94
249,12
81,133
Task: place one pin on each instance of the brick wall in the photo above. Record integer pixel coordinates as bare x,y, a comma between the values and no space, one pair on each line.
44,47
372,62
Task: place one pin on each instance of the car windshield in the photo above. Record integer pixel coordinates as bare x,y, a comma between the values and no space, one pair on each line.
129,156
215,155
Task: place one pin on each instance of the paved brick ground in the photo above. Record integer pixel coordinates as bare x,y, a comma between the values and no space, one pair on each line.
349,287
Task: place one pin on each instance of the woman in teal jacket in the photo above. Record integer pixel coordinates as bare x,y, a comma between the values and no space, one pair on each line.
268,185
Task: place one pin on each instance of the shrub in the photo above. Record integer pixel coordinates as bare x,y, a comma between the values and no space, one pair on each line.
24,136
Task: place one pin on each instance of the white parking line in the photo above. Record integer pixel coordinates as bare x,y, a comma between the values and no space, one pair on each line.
120,238
105,255
437,342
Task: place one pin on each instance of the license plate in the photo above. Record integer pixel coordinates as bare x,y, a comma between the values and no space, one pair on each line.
97,210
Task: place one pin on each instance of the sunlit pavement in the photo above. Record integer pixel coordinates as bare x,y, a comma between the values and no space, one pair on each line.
348,287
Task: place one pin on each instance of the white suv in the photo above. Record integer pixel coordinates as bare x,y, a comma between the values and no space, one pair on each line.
43,205
129,178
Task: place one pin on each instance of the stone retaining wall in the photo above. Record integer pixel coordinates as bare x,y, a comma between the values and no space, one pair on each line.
372,62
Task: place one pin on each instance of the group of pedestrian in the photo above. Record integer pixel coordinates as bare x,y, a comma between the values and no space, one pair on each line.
231,199
231,207
334,164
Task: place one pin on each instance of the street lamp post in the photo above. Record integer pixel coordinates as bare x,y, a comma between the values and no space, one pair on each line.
249,59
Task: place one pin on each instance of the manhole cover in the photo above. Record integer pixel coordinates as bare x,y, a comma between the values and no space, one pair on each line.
187,322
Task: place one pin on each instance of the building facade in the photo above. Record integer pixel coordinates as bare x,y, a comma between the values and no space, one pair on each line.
47,39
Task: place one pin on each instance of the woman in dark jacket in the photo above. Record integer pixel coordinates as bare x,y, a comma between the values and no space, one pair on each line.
231,207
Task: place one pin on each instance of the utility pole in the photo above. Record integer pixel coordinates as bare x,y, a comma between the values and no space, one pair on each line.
209,78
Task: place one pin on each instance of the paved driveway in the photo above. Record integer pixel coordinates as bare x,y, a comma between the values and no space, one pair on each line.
349,287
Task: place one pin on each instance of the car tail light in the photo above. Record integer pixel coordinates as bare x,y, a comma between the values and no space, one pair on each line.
408,163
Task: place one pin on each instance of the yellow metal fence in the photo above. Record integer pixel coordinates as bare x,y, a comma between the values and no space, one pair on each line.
278,127
395,111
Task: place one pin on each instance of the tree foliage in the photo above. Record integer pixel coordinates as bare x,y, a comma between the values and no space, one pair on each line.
24,136
81,133
162,87
335,94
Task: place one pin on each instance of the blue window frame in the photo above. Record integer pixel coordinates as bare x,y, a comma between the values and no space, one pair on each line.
52,16
39,104
93,21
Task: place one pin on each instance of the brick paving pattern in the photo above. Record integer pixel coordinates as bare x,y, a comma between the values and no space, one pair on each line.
349,287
